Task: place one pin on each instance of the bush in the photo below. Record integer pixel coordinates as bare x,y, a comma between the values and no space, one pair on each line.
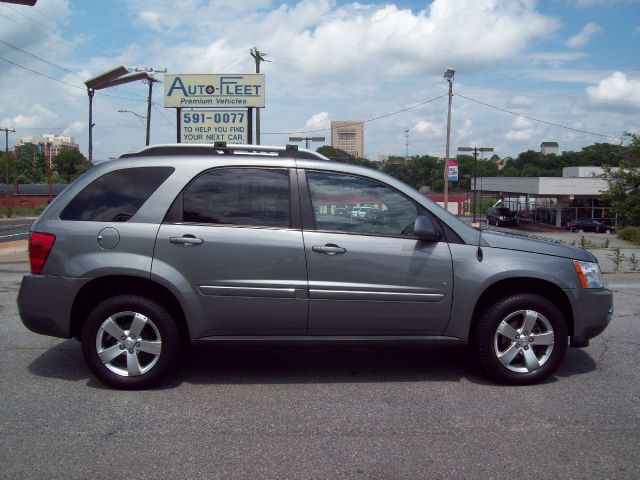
630,234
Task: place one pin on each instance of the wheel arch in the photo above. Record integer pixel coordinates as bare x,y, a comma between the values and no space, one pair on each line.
511,286
99,289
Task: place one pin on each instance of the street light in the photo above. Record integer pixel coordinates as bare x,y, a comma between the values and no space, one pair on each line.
475,151
448,76
114,77
306,140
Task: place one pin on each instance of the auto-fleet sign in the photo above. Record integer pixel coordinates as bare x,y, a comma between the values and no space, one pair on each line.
229,90
208,126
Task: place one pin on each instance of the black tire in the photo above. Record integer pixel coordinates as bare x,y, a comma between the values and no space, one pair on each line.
143,352
527,356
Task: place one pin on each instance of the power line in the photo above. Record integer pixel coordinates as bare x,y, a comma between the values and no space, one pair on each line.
55,65
53,33
364,121
41,74
69,84
538,120
162,114
41,59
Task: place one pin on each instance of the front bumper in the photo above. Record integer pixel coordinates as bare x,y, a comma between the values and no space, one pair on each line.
592,312
45,303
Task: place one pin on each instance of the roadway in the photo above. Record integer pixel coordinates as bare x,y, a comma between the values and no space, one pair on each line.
14,229
345,411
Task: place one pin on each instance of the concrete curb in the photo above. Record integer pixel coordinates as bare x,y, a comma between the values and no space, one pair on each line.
17,246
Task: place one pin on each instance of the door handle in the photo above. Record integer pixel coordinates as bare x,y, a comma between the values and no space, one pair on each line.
329,249
186,240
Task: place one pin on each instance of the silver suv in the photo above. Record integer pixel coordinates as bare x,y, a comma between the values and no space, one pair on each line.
182,243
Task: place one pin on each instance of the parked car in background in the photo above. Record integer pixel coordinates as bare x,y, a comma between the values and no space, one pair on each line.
360,212
501,216
343,210
591,225
175,244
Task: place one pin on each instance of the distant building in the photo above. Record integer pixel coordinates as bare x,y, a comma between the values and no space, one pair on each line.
48,144
348,136
547,148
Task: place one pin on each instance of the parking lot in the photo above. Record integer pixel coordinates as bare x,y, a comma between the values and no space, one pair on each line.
321,411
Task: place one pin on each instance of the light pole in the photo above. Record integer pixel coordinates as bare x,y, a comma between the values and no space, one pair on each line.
114,77
306,140
406,141
448,75
6,164
475,151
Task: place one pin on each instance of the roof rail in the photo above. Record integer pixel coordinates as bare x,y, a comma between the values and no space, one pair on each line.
222,148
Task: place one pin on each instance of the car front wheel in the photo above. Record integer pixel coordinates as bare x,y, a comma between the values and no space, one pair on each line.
521,339
129,341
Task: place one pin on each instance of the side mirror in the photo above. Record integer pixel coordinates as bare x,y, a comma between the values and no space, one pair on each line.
426,230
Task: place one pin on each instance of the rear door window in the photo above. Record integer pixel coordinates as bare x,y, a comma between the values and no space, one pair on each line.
257,197
117,195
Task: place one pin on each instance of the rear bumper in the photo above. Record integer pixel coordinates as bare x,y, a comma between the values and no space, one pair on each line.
45,303
592,312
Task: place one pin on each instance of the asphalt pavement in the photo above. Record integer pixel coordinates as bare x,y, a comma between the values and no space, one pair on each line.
338,411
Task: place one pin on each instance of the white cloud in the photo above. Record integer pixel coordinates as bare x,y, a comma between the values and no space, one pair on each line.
35,116
465,131
75,128
428,129
522,129
584,37
318,121
520,101
555,59
320,40
615,89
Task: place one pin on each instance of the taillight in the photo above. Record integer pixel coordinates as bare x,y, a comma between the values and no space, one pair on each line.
40,245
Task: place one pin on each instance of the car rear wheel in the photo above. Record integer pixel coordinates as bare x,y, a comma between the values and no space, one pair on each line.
129,342
521,339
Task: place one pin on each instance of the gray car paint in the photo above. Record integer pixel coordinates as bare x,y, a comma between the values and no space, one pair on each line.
285,295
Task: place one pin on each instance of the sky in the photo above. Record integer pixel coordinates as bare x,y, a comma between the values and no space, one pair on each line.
526,71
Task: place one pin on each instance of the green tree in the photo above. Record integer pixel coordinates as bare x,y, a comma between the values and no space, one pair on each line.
30,165
70,164
344,157
624,184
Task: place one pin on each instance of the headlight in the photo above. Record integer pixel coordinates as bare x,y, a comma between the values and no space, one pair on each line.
589,274
501,218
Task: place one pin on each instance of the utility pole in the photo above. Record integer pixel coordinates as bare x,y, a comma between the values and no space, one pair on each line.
6,164
258,56
406,136
150,80
448,76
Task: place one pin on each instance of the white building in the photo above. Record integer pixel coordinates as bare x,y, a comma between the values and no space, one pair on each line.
574,195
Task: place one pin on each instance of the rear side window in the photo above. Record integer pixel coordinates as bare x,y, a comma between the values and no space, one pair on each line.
237,196
116,196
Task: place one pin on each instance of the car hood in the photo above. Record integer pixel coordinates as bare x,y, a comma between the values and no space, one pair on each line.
532,244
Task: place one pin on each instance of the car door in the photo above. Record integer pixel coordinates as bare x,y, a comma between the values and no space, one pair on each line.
232,246
370,276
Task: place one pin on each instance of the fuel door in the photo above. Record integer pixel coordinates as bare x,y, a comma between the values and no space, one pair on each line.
108,238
